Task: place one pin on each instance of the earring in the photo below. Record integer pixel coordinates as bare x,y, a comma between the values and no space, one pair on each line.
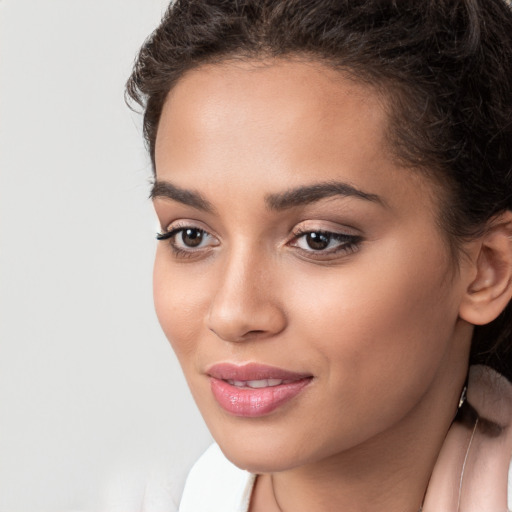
462,398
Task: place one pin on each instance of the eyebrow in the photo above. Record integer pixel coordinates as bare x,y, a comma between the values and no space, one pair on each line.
311,193
187,197
282,201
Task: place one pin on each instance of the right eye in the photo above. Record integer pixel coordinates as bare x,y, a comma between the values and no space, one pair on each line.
188,240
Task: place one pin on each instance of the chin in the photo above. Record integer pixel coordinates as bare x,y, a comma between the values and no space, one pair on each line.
258,460
267,449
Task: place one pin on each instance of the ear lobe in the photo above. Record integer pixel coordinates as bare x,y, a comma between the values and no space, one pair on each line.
491,288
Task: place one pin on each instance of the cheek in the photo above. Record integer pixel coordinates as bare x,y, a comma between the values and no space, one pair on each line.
381,320
179,304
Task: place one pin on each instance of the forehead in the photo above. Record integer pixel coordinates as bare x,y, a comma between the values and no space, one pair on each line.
269,126
281,82
270,103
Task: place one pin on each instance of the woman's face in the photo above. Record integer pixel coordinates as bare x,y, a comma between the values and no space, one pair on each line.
304,283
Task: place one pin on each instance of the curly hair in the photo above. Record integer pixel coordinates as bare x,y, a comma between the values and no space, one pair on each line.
445,67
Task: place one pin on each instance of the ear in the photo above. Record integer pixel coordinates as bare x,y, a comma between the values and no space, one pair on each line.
490,289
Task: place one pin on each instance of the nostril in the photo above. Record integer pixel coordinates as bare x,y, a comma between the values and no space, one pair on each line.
240,335
253,335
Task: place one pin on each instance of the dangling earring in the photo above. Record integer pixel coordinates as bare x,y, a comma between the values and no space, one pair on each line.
462,398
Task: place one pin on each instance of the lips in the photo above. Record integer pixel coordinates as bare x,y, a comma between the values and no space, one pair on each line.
254,390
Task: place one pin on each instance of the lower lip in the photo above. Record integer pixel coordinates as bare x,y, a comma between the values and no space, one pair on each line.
254,402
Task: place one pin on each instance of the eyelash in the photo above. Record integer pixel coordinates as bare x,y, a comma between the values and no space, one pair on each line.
171,235
348,244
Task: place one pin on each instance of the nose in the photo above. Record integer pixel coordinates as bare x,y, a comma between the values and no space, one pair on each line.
245,305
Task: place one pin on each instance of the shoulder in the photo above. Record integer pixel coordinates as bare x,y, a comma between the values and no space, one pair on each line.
472,468
215,484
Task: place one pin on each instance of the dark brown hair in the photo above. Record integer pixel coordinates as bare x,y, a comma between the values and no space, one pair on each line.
444,65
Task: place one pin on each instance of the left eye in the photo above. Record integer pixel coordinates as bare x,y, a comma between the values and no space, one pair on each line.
325,241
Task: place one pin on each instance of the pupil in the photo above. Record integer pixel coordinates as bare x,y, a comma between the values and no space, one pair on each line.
192,237
318,241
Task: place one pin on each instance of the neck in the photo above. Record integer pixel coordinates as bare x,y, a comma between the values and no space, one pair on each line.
378,479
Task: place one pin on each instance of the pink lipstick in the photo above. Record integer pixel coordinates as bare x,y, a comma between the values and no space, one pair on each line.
254,390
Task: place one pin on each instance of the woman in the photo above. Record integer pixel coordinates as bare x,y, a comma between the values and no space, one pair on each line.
333,181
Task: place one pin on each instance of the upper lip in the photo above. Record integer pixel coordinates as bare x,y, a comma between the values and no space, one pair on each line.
252,371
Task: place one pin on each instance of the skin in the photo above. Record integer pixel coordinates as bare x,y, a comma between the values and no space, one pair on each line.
375,323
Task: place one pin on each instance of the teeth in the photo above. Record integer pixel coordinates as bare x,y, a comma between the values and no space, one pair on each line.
263,383
257,383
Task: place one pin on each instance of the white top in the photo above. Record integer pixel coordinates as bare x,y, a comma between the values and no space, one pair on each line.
216,485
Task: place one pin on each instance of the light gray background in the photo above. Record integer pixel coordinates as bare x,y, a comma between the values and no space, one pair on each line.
94,412
92,402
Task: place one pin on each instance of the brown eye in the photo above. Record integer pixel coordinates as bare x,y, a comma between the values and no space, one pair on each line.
325,245
192,237
318,241
188,241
